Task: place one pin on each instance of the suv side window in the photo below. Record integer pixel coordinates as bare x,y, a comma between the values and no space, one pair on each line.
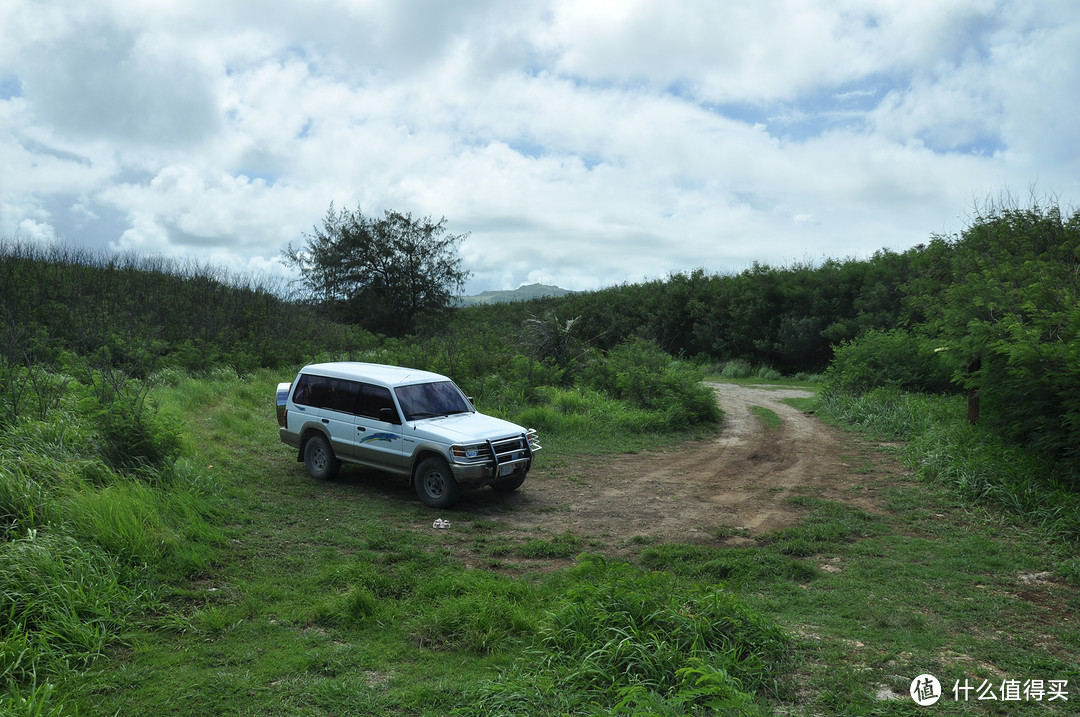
332,393
373,399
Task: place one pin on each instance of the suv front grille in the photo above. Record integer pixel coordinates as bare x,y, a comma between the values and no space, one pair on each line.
512,448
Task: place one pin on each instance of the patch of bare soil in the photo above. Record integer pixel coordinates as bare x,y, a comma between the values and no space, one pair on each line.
737,481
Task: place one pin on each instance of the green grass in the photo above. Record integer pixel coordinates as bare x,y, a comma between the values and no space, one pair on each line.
85,545
942,447
768,417
588,421
640,641
566,545
743,373
275,594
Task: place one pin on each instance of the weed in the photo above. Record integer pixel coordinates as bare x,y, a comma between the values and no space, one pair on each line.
735,567
730,531
35,700
562,546
67,600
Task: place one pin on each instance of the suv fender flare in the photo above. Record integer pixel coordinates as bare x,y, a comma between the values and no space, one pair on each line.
305,436
422,454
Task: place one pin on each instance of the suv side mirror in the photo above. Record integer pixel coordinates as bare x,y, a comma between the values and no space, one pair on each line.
388,415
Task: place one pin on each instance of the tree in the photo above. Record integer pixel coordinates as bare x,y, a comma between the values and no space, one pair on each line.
383,274
1012,320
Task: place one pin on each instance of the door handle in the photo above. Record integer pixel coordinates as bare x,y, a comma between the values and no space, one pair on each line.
360,428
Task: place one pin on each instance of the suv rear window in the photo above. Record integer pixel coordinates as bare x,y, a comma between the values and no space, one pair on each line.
336,394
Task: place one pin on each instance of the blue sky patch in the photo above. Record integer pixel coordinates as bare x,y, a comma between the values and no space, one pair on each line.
10,87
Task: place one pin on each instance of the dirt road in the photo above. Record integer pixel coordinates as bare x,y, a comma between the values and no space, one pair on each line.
738,481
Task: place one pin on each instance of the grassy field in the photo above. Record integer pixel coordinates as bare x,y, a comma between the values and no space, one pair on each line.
341,599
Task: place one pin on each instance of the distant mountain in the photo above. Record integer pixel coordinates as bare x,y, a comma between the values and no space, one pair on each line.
522,293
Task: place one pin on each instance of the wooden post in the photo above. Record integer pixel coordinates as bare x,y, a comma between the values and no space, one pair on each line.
973,394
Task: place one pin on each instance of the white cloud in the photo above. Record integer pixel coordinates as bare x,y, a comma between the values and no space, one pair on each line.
583,141
760,52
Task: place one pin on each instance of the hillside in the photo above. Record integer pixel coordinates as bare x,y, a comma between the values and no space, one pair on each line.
526,292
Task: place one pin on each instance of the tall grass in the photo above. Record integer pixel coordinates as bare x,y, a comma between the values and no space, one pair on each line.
68,597
83,544
630,642
743,369
436,603
942,446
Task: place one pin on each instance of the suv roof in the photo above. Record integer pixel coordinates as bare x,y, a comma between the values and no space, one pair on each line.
373,372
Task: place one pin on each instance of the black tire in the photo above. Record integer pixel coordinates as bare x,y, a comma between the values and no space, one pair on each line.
508,485
319,458
435,484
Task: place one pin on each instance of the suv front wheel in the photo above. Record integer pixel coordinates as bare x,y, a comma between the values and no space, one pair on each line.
435,484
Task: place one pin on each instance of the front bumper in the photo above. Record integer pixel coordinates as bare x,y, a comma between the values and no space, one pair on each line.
495,460
476,475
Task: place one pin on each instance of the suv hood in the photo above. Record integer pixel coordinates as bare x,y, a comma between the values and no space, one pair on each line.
465,428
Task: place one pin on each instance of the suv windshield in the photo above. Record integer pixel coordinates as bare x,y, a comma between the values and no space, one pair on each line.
427,400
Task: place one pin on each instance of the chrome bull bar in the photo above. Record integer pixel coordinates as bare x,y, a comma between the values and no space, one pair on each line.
511,452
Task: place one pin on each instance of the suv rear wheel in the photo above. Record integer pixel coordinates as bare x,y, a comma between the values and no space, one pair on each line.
319,458
435,484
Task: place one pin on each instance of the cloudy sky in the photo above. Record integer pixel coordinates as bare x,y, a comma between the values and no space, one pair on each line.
581,143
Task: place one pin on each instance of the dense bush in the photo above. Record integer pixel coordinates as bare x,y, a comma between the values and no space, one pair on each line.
640,372
895,358
634,387
170,312
1011,316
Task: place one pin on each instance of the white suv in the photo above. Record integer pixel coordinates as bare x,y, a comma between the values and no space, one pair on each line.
400,420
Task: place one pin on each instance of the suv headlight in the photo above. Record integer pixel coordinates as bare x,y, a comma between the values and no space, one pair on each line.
467,452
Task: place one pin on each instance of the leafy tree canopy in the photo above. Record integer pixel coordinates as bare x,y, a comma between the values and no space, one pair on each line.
381,273
1012,319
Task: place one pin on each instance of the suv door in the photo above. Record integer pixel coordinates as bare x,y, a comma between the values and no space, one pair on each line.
338,400
330,403
378,441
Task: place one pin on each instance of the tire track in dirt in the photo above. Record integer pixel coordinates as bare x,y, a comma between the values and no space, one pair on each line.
739,479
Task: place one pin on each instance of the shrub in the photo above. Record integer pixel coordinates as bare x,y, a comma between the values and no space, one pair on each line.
134,437
640,372
1012,319
895,358
736,368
